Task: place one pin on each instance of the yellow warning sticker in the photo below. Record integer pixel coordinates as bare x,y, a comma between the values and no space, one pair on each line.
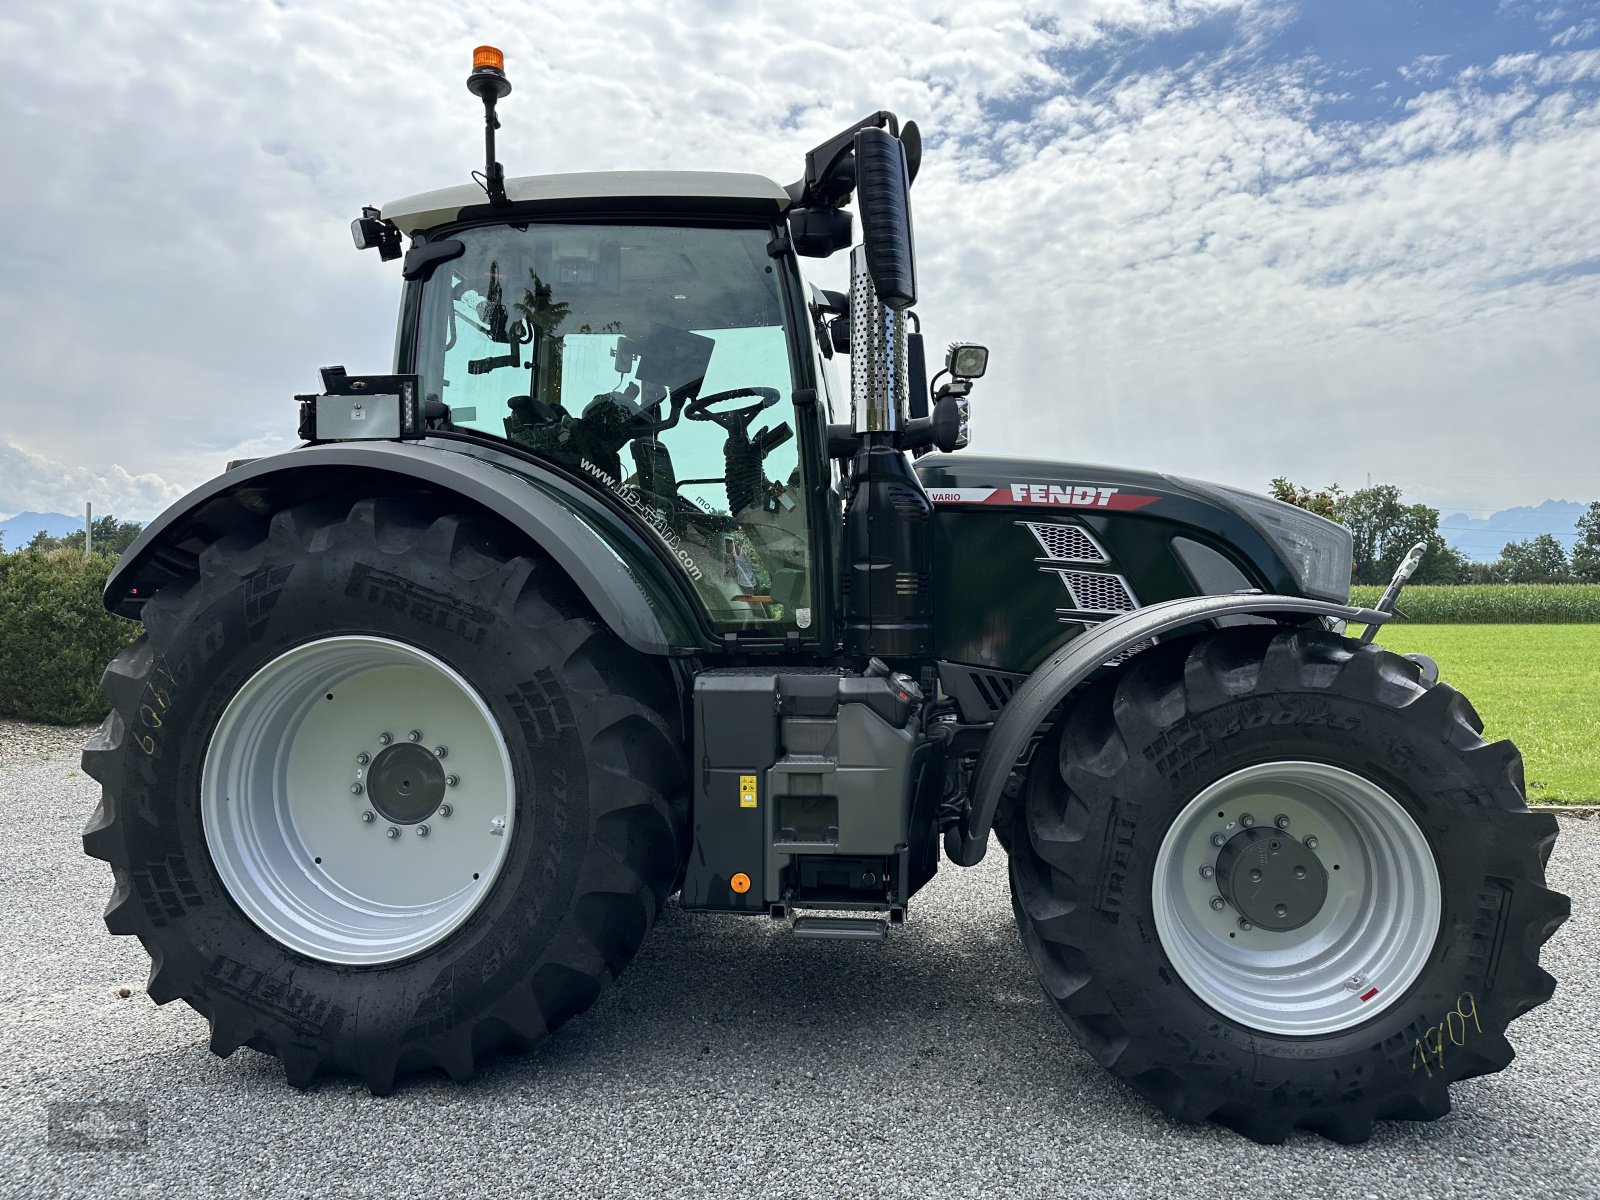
747,791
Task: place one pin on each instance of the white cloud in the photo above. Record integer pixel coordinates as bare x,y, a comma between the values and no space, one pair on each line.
1581,32
1424,66
1177,267
32,483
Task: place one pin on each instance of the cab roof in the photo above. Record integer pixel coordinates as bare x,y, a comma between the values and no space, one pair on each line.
678,191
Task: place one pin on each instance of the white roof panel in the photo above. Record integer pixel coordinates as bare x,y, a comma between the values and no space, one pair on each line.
427,209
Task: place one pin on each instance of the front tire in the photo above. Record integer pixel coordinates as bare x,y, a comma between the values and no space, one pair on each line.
379,795
1228,969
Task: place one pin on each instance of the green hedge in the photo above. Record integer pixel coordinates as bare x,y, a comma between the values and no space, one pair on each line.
55,636
1494,603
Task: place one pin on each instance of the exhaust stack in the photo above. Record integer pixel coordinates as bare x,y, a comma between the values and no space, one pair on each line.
878,387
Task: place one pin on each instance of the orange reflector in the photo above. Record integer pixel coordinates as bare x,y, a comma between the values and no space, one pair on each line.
740,883
488,56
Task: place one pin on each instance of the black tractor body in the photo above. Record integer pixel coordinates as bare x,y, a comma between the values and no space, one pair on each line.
610,589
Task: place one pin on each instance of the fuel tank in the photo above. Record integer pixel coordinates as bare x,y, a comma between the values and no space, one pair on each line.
1028,555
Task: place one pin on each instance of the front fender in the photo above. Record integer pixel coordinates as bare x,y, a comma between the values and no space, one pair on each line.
1069,666
633,592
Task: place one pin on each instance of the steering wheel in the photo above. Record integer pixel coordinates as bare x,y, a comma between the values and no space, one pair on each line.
734,420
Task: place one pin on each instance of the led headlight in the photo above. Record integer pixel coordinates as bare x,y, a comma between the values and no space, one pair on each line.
1317,550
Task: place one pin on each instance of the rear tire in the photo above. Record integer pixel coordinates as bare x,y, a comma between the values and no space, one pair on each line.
1434,904
231,816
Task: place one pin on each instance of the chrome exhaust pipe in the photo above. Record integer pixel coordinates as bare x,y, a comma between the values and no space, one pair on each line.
879,387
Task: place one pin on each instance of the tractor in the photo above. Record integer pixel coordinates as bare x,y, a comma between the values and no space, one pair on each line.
620,586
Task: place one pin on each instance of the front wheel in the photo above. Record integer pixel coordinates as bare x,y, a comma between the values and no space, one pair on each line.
1273,880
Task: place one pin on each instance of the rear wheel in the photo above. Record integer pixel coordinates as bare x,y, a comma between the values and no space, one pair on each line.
378,795
1273,880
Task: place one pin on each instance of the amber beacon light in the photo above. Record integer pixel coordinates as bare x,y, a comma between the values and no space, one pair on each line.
488,74
489,83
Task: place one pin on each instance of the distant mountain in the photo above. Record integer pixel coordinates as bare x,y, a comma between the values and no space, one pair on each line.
19,530
1482,538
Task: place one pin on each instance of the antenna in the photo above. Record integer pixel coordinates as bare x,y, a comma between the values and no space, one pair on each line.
488,82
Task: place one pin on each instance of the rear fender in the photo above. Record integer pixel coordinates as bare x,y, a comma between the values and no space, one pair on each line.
1075,662
634,593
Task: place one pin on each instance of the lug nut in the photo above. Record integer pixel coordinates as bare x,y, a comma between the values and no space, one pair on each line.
1218,839
1207,871
1218,903
446,809
392,834
1245,925
441,751
452,780
363,758
385,738
1246,820
414,736
424,831
356,789
1281,821
369,816
1311,843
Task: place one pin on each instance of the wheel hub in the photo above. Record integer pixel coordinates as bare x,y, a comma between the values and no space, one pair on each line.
1357,927
405,783
1273,879
304,762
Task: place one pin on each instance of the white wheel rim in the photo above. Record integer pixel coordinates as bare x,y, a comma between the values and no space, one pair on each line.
1366,945
347,876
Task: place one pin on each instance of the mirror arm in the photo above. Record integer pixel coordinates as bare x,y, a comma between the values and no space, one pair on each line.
821,162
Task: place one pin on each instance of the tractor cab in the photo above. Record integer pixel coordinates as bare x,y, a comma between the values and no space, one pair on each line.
657,361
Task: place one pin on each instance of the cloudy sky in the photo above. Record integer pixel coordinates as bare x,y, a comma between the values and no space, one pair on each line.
1226,238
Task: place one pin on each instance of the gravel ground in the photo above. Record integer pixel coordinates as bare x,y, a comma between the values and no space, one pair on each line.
730,1060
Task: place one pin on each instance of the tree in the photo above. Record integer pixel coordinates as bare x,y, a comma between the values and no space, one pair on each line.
1533,560
1325,502
1586,554
1443,563
111,536
1384,529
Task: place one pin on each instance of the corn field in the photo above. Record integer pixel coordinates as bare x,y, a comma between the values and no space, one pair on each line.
1494,604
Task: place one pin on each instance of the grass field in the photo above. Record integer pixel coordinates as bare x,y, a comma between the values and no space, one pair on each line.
1538,685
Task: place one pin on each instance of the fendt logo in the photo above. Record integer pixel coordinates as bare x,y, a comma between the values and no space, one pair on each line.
1061,495
1050,493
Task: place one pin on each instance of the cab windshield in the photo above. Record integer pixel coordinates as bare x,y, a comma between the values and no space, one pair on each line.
654,360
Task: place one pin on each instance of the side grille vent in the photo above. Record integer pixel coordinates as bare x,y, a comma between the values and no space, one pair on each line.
995,689
1094,593
912,583
981,694
1124,655
1066,543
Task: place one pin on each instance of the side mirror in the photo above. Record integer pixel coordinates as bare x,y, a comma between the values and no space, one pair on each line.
839,335
882,196
818,232
916,374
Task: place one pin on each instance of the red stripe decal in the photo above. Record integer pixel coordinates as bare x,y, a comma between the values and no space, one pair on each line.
1365,996
1059,495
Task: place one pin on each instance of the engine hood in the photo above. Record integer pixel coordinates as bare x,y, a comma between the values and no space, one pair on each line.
964,479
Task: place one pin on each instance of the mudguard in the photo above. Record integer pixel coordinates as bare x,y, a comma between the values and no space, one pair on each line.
634,592
1082,657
